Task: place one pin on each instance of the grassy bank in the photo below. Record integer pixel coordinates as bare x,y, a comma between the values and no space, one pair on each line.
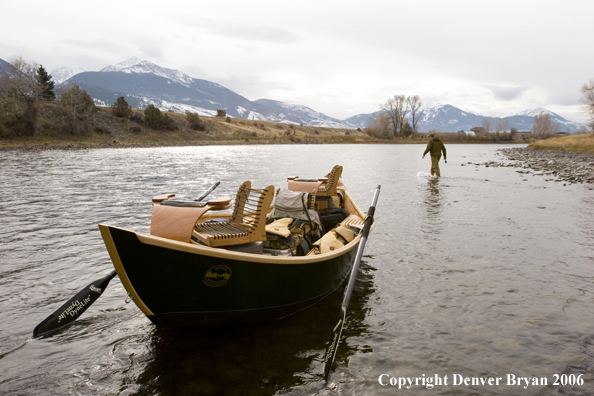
104,129
584,142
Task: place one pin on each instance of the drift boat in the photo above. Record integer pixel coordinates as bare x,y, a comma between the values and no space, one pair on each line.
204,265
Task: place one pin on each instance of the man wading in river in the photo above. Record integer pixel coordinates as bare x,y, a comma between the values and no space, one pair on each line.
435,147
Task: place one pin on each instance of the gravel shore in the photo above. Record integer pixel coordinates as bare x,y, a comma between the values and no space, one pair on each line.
568,166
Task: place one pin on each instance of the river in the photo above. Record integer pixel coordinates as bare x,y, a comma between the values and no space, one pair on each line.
469,282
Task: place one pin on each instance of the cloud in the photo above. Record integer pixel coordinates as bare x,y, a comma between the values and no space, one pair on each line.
334,58
243,31
506,92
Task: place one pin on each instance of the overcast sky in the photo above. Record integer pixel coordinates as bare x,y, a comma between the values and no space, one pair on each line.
341,58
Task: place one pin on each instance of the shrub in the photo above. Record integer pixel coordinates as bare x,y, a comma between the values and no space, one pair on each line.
228,119
137,118
121,108
101,130
168,124
221,113
153,117
79,108
194,121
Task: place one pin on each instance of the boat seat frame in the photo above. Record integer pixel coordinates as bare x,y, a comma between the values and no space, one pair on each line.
246,224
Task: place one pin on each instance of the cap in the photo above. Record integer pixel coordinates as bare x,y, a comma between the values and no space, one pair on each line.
431,134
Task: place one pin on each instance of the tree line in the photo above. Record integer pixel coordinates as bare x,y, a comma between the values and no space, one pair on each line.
398,117
30,83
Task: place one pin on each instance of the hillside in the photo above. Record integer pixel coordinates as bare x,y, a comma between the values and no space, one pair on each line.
105,130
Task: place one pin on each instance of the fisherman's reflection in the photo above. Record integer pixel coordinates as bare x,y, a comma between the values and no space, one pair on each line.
433,204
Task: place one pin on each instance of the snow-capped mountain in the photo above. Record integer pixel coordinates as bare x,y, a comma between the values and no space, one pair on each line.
298,114
533,112
138,66
447,118
143,83
62,74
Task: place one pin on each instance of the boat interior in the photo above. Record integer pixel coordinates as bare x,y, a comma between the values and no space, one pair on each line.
308,217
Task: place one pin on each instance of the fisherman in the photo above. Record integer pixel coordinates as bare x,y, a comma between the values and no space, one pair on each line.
435,147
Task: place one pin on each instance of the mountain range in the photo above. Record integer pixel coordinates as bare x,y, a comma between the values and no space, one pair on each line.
143,83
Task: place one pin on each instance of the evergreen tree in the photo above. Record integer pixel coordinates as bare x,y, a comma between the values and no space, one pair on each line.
46,84
121,108
153,118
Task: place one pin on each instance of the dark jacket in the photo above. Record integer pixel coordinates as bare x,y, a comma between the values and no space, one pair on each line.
436,146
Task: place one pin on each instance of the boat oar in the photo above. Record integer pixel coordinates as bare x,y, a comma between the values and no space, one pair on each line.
337,331
72,309
78,304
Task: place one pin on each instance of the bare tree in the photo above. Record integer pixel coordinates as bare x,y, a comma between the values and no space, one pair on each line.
501,127
79,107
380,124
20,81
513,132
502,124
588,99
543,126
505,124
396,109
414,103
497,125
486,125
389,111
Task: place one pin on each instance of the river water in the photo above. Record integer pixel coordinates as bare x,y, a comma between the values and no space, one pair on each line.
485,274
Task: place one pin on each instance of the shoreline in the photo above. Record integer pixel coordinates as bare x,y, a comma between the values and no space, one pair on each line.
555,165
79,146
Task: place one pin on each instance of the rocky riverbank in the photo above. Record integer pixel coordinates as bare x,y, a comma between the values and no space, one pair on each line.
568,166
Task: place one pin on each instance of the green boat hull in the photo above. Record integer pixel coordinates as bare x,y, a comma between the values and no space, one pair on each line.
179,284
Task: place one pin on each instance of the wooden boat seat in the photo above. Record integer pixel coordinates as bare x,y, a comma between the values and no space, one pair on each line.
328,188
246,224
353,221
323,187
176,221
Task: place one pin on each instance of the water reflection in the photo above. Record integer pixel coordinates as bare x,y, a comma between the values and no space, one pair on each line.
433,202
259,359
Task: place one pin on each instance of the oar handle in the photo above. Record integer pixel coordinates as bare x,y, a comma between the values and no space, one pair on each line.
211,189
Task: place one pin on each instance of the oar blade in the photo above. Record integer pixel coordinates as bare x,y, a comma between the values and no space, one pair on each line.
331,351
72,309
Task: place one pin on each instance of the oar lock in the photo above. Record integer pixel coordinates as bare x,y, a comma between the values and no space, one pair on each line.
129,298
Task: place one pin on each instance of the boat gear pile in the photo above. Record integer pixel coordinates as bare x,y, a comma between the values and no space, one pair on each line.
307,218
